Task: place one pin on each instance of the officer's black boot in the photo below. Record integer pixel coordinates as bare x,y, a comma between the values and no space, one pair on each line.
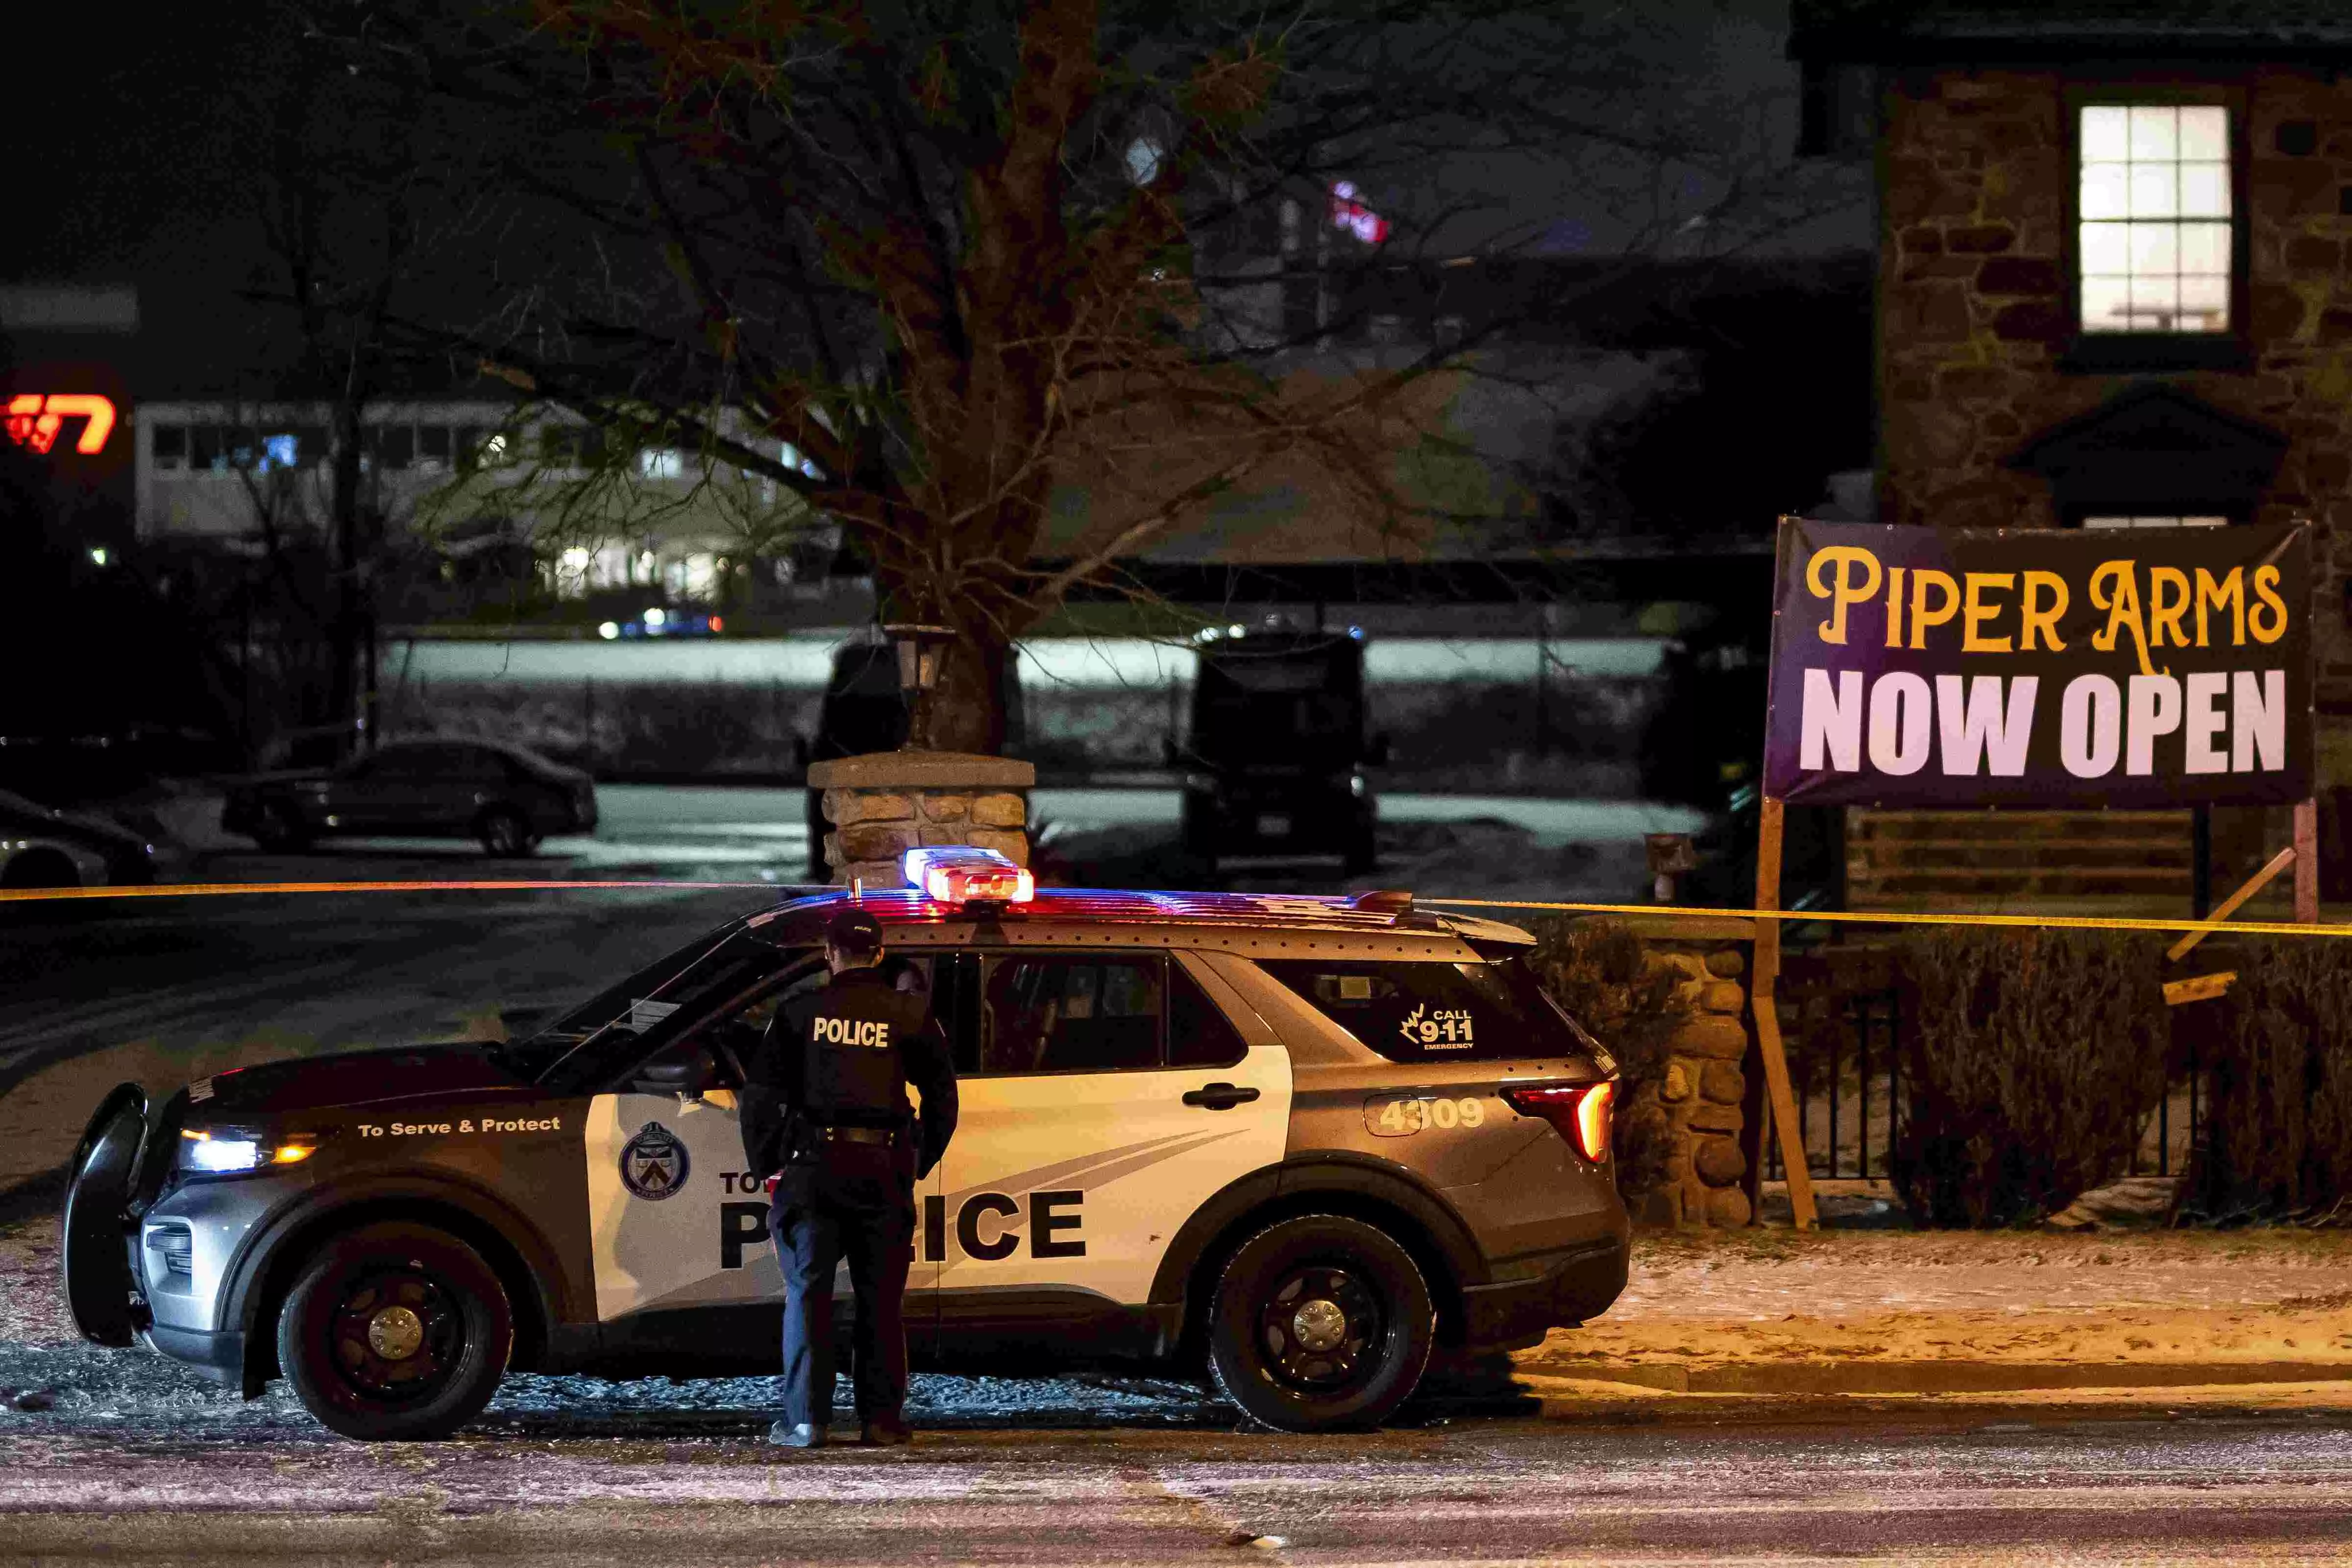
887,1433
803,1435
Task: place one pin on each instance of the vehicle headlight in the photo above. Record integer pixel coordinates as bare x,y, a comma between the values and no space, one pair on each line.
230,1151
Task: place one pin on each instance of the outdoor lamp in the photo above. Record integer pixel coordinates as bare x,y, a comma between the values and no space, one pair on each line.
919,648
1670,855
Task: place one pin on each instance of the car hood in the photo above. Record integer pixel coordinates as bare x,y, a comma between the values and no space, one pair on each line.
357,1078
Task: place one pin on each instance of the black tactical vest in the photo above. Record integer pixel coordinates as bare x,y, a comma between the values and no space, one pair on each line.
852,1044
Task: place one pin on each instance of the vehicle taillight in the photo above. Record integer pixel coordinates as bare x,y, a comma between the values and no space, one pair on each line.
1578,1111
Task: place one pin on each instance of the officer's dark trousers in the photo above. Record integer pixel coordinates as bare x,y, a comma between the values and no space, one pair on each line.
860,1210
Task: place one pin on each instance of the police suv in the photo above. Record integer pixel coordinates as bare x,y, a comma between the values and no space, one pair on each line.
1303,1141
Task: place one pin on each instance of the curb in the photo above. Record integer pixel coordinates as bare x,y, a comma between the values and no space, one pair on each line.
1946,1376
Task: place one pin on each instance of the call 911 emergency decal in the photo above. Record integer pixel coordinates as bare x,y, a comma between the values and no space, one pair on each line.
1438,1029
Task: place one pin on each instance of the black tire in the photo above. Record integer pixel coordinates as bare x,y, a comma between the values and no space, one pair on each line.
505,833
279,827
41,868
342,1350
1371,1295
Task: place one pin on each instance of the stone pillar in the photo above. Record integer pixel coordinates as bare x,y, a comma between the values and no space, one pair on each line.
886,802
1702,1086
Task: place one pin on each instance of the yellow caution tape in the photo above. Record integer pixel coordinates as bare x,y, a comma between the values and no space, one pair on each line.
1806,916
1668,911
215,889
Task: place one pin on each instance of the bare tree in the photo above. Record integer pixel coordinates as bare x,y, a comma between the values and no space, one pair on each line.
358,184
917,263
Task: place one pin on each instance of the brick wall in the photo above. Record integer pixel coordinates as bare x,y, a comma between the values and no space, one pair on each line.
1974,309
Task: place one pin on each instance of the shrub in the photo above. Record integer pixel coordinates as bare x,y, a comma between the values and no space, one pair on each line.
1595,970
2033,1060
2278,1137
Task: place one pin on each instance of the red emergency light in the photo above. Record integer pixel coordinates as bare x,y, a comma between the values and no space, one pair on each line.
961,874
34,420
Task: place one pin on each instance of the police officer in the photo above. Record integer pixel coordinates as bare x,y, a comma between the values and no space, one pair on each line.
824,1107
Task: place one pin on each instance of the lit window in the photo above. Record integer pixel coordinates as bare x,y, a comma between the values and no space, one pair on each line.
572,573
2155,522
661,462
2154,232
701,577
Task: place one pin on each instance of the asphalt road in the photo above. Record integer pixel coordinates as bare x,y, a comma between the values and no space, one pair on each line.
1871,1489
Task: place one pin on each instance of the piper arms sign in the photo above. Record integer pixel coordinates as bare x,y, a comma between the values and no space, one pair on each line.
2144,667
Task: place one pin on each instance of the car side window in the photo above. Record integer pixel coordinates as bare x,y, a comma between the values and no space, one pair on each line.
1409,1011
408,762
1054,1012
1199,1033
732,1038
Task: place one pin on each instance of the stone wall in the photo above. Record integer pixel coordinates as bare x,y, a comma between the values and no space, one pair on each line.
1974,311
1703,1083
886,803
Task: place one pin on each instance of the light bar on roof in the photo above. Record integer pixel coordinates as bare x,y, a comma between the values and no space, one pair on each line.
960,873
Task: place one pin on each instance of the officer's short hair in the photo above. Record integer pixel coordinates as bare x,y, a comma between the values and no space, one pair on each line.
855,935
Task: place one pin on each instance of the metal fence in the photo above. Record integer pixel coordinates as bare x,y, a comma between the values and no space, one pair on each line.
1846,1068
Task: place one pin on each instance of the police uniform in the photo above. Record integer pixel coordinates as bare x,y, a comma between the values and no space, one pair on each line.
824,1106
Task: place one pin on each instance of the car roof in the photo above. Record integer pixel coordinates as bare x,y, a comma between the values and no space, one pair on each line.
1067,906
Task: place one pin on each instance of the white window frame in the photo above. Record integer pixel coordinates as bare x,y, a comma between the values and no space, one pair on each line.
2155,218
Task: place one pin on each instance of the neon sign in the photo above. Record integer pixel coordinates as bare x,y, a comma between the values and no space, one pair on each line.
35,419
1348,213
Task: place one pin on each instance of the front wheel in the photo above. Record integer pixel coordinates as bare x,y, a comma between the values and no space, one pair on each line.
1318,1322
397,1332
504,833
281,828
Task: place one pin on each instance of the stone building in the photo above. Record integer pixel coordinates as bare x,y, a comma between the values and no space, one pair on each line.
2113,290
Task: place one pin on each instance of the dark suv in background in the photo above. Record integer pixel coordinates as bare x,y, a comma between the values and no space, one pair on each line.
1274,765
508,797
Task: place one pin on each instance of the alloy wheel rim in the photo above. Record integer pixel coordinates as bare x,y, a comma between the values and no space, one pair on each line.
1320,1329
396,1334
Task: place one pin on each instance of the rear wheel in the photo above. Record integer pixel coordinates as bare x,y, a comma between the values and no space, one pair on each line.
40,868
504,833
280,827
1320,1322
396,1332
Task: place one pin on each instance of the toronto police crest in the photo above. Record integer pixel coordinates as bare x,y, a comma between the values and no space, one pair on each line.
654,1163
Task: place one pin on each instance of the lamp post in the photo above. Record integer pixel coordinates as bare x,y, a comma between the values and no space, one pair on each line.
921,647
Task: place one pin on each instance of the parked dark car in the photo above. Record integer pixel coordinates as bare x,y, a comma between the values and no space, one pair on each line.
863,710
43,847
1275,762
508,797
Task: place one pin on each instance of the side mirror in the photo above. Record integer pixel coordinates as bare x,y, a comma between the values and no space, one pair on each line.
684,1074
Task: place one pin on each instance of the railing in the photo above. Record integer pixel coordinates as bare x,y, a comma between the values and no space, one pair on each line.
1848,1077
1846,1068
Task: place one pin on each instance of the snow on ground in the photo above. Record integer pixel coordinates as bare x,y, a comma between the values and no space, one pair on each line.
88,1389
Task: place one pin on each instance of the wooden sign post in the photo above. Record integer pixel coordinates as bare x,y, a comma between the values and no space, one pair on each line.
2306,861
1780,1098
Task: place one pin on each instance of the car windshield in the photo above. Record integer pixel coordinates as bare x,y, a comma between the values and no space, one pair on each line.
626,1011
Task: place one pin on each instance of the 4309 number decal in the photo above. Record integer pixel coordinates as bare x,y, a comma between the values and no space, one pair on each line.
1401,1116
